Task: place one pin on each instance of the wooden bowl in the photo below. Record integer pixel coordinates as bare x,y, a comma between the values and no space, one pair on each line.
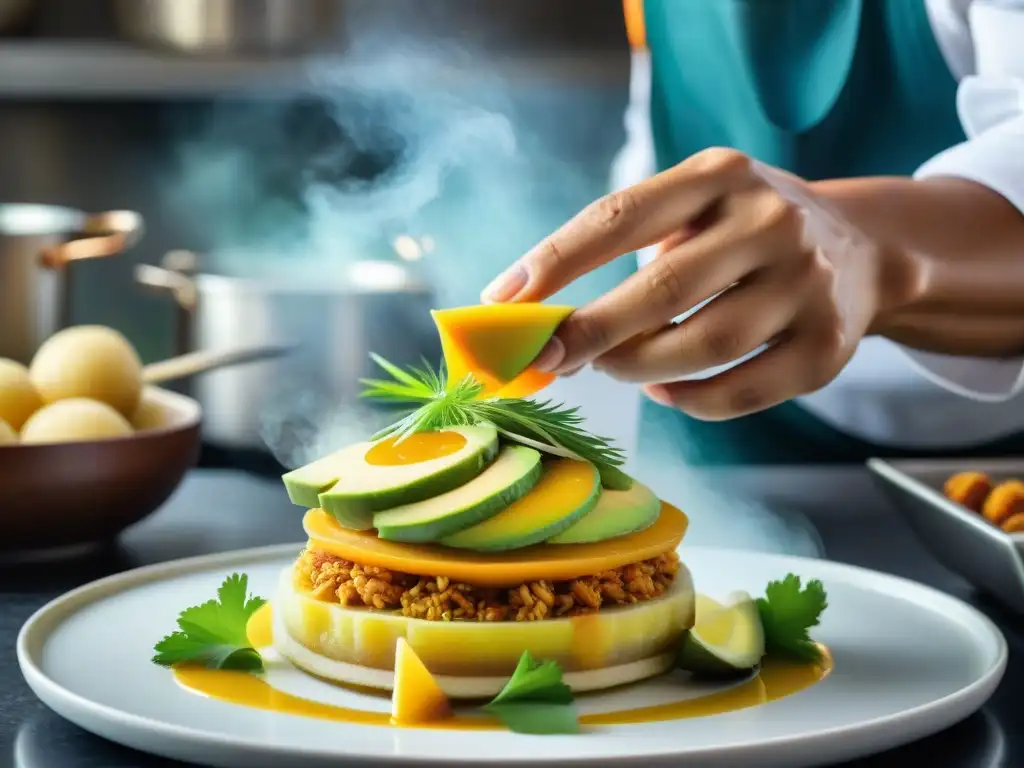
66,494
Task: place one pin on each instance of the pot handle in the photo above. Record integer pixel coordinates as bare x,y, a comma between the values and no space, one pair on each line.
103,234
182,289
193,363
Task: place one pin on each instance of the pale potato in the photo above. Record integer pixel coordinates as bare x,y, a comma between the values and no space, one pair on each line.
7,434
89,361
150,414
18,396
73,420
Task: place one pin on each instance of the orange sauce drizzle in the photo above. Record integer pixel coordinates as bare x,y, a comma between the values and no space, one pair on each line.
775,680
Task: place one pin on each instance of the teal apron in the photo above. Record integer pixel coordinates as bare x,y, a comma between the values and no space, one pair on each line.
825,89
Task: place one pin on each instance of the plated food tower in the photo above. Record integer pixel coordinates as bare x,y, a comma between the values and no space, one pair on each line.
486,546
471,532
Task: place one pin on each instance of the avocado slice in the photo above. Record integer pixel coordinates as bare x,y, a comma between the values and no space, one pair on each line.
351,488
616,513
726,640
567,490
514,473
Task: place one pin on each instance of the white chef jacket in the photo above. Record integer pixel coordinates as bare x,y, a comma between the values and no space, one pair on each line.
888,394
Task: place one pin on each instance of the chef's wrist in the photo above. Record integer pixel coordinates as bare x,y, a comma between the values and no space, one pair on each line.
898,276
950,277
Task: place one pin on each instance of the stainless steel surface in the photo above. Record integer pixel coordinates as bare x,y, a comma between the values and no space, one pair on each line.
960,539
230,26
13,14
331,327
38,247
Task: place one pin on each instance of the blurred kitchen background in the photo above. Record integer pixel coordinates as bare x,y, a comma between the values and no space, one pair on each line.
286,141
318,174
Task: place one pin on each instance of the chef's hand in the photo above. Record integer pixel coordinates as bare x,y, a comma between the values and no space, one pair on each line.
795,276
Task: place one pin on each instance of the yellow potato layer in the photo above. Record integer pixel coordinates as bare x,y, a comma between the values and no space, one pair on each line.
609,637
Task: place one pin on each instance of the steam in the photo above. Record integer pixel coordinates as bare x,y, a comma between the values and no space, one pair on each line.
385,142
396,144
722,515
392,146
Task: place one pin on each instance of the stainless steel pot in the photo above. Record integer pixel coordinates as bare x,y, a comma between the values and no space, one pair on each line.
229,26
38,247
330,329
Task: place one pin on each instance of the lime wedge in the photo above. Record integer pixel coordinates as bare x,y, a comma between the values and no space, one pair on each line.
726,639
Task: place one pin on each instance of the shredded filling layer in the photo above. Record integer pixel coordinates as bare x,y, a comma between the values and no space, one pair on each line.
332,579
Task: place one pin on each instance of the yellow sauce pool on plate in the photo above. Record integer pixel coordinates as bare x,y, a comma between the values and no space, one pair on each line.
776,680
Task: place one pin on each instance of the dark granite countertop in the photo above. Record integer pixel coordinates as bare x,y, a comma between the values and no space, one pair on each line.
217,510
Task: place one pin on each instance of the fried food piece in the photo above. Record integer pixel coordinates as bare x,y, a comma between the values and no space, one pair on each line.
1005,501
969,489
1014,523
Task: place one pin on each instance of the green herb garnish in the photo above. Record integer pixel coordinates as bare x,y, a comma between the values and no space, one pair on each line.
551,426
787,613
536,700
214,634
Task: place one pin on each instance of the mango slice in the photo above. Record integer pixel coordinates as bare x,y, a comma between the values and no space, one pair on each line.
557,562
496,343
417,698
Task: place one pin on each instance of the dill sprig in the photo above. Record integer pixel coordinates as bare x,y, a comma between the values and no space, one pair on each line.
552,427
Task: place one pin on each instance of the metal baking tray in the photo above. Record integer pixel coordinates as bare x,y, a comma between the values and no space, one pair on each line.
962,540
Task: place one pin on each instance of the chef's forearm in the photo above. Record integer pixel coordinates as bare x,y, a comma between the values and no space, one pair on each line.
952,253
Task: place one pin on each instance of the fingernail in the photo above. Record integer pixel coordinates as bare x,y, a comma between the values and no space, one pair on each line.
658,394
506,285
551,355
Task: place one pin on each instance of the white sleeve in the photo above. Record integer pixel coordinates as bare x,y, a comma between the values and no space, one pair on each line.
991,108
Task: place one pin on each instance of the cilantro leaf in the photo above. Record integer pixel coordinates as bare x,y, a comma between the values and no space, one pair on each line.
535,699
214,633
236,603
535,681
788,611
537,719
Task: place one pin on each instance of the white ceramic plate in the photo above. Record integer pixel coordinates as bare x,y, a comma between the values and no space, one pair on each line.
909,661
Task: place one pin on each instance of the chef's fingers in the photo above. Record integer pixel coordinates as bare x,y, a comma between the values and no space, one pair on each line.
759,230
727,329
784,371
676,239
623,221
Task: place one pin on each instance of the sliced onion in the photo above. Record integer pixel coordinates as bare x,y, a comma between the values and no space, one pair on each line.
554,450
